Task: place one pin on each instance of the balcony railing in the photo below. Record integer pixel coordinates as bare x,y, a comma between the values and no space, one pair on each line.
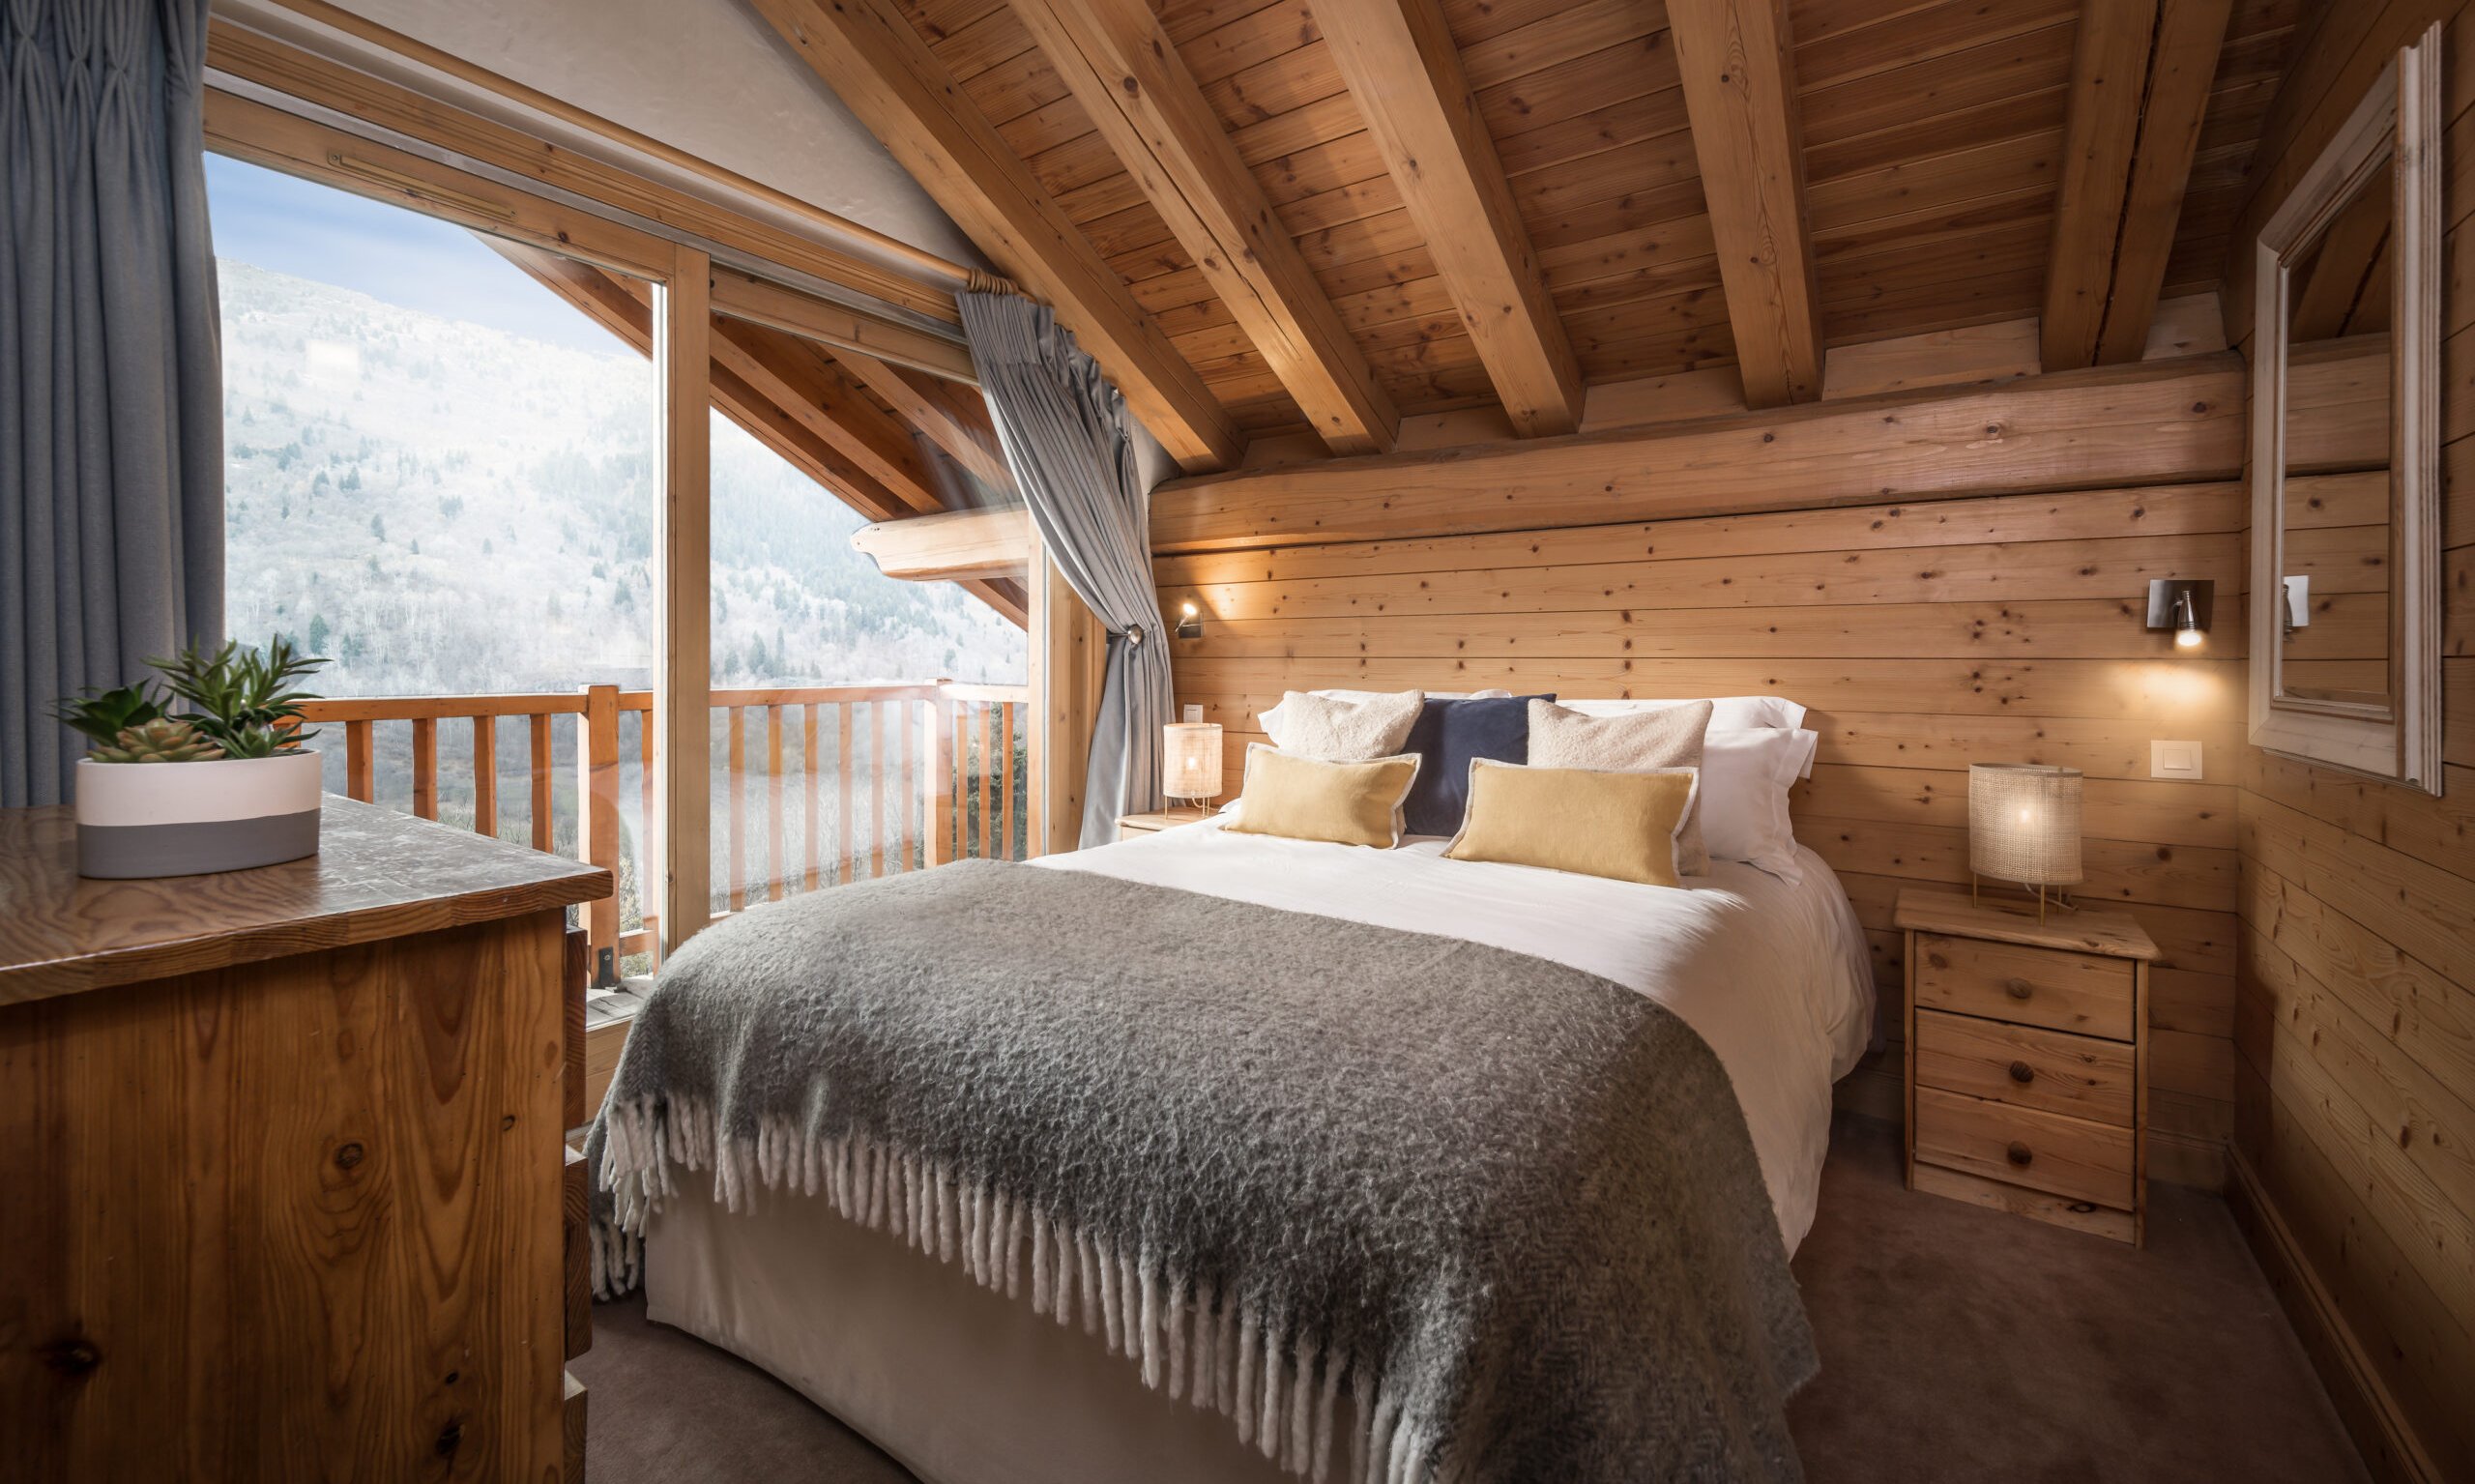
813,786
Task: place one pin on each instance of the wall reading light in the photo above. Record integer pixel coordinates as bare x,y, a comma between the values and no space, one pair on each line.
1189,621
2181,604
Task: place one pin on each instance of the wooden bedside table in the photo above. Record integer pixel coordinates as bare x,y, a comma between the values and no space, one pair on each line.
1130,825
2027,1061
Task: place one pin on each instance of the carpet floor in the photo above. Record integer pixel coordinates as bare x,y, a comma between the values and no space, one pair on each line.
1957,1344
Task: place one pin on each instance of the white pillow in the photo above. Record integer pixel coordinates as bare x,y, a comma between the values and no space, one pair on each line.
1272,720
1346,729
1746,774
1727,712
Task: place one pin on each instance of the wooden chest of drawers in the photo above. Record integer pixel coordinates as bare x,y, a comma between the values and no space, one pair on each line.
283,1185
2028,1048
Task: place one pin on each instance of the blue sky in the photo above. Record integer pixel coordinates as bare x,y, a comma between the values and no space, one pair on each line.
311,231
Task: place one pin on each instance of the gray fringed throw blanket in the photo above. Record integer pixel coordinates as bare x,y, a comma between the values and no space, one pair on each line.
1508,1207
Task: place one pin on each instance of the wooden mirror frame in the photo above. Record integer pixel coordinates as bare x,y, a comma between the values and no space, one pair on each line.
2398,126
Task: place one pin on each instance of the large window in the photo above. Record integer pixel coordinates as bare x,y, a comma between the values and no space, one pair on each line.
834,745
444,469
438,473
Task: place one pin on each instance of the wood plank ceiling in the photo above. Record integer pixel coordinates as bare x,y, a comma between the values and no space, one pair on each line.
1931,133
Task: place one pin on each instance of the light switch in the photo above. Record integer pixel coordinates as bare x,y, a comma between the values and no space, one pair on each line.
2174,760
1195,714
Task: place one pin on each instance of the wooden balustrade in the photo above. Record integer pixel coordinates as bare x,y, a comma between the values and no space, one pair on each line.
919,774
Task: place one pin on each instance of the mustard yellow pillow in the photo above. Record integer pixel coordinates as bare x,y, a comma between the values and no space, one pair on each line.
1308,798
1622,825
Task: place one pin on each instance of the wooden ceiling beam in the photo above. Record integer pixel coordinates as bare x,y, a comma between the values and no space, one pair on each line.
806,384
2157,421
1741,96
876,63
2191,34
1120,65
2139,87
745,296
1403,70
936,411
2108,79
994,542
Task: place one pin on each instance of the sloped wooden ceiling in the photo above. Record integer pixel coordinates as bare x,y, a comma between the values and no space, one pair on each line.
1932,137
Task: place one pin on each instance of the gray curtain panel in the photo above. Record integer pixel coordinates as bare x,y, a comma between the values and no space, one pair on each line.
111,400
1068,434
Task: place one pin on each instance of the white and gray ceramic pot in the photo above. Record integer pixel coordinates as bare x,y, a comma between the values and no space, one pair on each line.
185,819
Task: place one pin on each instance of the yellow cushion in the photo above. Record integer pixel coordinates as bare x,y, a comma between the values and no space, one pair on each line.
1307,798
1617,825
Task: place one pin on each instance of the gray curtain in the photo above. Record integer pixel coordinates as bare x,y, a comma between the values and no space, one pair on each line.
111,401
1068,435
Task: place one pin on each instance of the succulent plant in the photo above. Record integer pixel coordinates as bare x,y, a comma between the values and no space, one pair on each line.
247,705
163,740
103,715
244,699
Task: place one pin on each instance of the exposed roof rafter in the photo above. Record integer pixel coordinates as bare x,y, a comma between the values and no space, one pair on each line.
1740,94
876,63
1119,64
1405,72
2139,87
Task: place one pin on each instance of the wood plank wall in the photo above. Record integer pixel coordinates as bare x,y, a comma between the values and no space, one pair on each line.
2355,1010
1986,627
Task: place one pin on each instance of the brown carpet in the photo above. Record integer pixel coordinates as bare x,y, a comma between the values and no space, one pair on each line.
1957,1344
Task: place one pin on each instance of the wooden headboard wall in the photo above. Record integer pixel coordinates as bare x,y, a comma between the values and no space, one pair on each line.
1968,620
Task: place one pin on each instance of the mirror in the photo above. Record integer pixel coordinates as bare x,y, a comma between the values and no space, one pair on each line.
2335,513
2344,611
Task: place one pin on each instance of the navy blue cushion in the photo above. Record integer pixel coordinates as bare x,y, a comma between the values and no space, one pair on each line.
1449,733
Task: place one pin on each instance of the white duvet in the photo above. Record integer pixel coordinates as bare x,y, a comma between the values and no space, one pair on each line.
1774,977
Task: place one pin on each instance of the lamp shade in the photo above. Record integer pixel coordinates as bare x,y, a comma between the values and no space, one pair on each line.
2023,823
1190,760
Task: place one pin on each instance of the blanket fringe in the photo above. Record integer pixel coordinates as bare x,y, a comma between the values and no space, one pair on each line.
1278,1384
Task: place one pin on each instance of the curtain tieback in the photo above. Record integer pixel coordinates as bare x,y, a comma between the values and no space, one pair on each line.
1132,634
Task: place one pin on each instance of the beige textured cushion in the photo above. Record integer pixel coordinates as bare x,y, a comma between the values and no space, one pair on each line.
1347,730
1618,824
1316,799
1668,738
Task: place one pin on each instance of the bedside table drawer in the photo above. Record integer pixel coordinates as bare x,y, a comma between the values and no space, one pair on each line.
2083,993
2080,1075
2068,1156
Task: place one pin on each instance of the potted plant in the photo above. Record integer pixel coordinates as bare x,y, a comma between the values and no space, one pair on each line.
203,771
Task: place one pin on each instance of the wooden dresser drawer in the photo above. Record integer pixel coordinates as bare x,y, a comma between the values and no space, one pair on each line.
2085,993
2047,1152
2082,1075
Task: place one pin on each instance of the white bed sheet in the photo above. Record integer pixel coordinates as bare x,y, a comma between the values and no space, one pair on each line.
966,1387
1774,977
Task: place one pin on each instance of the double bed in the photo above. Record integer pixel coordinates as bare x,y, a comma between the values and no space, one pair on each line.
964,1385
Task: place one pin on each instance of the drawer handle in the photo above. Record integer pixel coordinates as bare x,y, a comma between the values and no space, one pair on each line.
2023,1073
2019,1153
2017,989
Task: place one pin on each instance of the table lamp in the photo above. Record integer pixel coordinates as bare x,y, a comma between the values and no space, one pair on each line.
2023,826
1190,763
